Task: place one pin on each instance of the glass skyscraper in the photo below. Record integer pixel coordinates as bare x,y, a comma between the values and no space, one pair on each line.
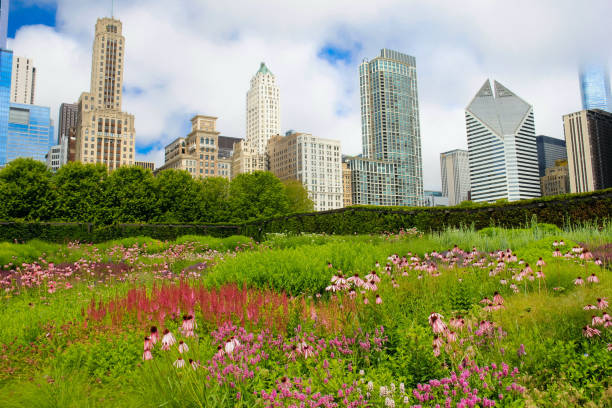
550,150
595,87
6,66
390,133
30,132
4,12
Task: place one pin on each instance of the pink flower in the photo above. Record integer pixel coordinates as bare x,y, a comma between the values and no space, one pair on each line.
372,276
356,280
557,253
437,341
578,281
598,262
451,336
588,331
168,340
154,335
194,364
606,317
457,323
590,307
437,325
370,285
498,299
602,303
179,363
148,345
147,355
231,345
378,300
182,348
596,321
365,301
541,262
593,278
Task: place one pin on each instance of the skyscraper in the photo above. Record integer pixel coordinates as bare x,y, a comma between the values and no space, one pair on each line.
262,122
550,150
502,147
68,118
30,132
588,136
105,134
595,87
23,81
455,172
4,13
390,133
6,66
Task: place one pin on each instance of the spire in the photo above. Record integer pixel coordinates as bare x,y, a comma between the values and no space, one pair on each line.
263,69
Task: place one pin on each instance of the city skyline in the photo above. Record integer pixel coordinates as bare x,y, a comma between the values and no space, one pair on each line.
317,74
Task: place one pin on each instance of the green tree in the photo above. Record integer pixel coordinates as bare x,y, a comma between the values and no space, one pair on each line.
80,192
130,195
26,191
214,200
177,196
258,194
297,195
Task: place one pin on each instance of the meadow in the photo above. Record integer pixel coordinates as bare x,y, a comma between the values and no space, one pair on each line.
459,318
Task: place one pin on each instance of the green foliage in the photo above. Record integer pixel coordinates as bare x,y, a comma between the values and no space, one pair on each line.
130,195
298,197
257,194
80,192
177,196
214,200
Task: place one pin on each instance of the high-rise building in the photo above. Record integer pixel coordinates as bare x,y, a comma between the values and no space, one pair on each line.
30,132
4,13
105,134
588,136
550,150
262,122
502,147
68,118
556,180
455,171
347,187
390,133
314,161
6,66
145,165
23,81
595,87
434,199
196,153
54,158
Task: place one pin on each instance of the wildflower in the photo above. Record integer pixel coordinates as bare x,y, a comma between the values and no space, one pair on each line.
503,282
557,253
378,299
555,244
147,355
148,345
606,317
540,262
598,262
593,278
372,276
437,325
562,243
498,299
231,345
457,322
356,280
154,335
182,348
168,340
194,364
389,402
179,363
370,285
596,320
586,255
590,307
306,350
521,350
437,341
602,303
451,336
578,281
188,326
365,301
589,332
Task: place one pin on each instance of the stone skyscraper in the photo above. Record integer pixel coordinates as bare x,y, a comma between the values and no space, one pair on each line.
105,134
23,81
502,146
390,171
455,172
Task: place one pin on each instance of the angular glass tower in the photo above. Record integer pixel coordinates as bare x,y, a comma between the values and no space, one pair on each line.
595,87
390,132
502,146
4,13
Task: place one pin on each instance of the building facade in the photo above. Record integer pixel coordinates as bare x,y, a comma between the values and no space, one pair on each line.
145,165
347,187
196,153
54,158
502,147
105,134
4,12
455,172
23,81
595,87
6,66
556,180
314,161
374,181
550,150
30,132
68,118
434,199
588,136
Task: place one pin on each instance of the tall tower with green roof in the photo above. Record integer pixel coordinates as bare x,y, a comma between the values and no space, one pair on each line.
263,110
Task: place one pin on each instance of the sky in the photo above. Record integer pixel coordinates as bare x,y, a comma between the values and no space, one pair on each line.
192,57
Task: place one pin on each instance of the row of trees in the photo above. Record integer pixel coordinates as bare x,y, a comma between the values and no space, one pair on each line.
89,193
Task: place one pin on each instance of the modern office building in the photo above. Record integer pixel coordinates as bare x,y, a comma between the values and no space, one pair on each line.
347,187
556,180
262,122
390,133
314,161
54,158
595,87
105,134
6,66
196,153
23,81
455,172
434,199
30,132
145,165
502,146
550,150
68,118
588,136
4,13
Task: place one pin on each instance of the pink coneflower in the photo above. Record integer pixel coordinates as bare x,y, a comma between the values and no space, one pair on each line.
306,350
179,363
606,317
231,345
154,335
561,243
378,299
370,285
372,276
503,282
365,301
498,299
338,279
527,269
521,350
590,307
485,301
182,347
586,255
451,336
540,262
457,323
555,244
598,262
588,331
437,341
557,253
436,351
437,325
602,303
596,320
194,364
168,340
593,278
540,275
356,280
147,355
577,250
578,281
148,345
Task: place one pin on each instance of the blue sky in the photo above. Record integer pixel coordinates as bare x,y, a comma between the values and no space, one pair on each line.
200,56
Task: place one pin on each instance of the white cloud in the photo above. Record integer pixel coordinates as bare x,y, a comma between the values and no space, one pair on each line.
198,57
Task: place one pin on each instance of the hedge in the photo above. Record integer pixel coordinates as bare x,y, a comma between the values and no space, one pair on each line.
558,210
